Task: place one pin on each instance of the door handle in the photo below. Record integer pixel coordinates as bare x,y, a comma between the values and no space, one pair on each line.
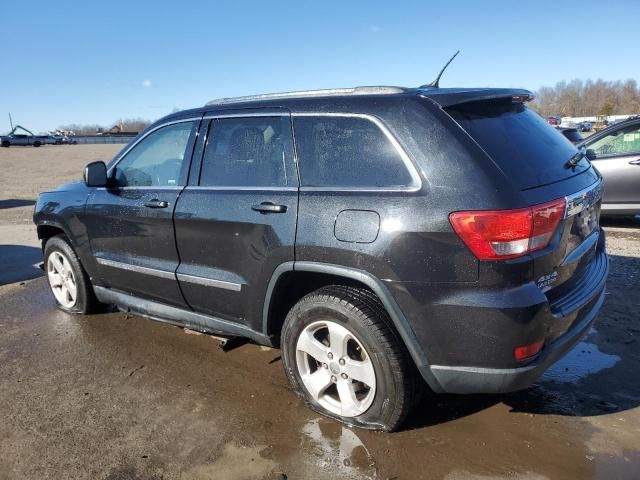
156,204
268,207
634,162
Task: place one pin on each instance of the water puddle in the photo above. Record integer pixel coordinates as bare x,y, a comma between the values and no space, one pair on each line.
584,360
338,449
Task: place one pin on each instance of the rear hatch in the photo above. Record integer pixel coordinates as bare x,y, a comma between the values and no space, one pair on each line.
533,156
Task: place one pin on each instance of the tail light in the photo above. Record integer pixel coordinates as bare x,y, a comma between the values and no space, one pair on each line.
527,351
503,234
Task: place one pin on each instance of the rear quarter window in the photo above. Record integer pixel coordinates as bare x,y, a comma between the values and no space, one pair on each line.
335,151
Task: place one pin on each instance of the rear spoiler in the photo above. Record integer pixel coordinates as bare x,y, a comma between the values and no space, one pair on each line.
449,97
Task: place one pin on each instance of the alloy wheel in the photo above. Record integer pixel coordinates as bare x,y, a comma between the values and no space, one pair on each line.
335,368
61,279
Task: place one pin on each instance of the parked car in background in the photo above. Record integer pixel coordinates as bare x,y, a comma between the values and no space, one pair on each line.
585,126
54,140
25,139
412,235
572,134
60,140
617,158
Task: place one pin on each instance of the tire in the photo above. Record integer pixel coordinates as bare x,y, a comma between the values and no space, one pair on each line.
37,143
6,143
384,399
56,249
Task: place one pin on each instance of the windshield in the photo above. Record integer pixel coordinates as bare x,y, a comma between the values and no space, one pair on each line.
525,147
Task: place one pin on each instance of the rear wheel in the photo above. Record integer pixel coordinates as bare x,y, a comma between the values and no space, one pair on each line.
6,143
68,281
37,143
344,358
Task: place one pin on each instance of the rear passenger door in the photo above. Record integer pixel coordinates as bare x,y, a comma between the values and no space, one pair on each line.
236,220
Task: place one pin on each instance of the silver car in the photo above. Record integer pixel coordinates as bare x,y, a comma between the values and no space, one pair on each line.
617,151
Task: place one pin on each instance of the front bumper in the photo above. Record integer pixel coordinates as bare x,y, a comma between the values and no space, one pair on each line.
466,380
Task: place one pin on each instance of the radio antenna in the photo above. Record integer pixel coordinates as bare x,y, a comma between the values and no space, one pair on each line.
436,82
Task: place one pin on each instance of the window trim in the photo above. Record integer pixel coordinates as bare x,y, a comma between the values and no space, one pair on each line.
416,181
415,186
145,135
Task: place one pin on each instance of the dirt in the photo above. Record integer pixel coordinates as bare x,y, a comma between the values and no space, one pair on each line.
27,171
116,396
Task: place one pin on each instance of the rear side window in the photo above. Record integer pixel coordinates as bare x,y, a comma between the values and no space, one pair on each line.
524,146
249,152
336,151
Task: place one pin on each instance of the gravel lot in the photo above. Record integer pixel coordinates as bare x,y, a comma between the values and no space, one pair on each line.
115,396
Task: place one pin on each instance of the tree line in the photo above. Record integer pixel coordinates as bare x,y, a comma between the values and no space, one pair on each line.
579,98
128,125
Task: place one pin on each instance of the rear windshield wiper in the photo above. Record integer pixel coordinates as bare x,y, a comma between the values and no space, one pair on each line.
573,161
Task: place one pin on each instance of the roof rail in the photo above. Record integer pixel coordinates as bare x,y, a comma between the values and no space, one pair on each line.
310,94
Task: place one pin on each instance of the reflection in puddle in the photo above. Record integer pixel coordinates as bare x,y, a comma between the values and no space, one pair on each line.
584,360
338,449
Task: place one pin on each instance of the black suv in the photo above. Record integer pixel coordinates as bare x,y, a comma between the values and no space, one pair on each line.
380,236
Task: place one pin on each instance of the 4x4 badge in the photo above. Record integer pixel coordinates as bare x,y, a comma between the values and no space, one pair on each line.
544,283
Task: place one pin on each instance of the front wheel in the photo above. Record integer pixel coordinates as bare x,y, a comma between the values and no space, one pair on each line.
6,143
68,281
345,360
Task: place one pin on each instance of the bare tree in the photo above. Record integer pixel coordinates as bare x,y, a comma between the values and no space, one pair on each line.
585,98
127,125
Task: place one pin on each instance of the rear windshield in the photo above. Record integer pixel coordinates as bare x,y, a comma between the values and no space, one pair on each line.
530,151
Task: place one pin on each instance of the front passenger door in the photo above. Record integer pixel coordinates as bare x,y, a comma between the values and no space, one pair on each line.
130,223
618,160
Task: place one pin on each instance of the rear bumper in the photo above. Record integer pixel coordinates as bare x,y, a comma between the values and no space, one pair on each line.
498,380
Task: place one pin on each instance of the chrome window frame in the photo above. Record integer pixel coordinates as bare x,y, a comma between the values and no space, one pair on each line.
416,180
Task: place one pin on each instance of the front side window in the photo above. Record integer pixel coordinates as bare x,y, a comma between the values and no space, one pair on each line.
624,141
157,160
336,151
248,152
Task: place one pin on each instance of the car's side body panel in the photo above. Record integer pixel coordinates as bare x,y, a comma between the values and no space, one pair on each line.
64,209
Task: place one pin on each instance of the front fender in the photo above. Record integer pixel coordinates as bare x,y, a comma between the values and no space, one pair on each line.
65,210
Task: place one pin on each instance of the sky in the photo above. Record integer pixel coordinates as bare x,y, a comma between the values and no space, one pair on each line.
94,62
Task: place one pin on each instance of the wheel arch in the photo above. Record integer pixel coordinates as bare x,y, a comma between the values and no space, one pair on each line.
49,230
272,312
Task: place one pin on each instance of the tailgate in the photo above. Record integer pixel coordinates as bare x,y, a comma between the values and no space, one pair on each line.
570,274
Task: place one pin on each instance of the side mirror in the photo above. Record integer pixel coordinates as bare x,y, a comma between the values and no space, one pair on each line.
95,174
590,154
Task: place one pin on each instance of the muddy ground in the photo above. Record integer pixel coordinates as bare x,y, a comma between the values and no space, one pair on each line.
115,396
